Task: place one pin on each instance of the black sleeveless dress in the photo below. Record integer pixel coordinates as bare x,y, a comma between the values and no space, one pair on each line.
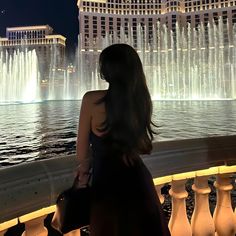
124,199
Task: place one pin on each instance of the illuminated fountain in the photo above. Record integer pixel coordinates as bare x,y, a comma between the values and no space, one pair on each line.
183,64
21,82
19,77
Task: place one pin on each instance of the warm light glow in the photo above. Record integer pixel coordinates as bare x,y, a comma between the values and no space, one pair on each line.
206,172
162,180
55,36
188,175
8,224
36,214
227,169
102,1
22,28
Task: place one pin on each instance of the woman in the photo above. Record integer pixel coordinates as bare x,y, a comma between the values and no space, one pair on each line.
117,124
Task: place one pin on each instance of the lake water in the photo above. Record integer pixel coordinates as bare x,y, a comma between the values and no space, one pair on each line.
36,131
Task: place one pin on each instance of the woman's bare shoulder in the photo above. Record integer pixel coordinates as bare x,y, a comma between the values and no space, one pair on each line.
94,95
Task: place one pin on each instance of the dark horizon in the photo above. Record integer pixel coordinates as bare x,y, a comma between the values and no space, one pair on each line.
61,15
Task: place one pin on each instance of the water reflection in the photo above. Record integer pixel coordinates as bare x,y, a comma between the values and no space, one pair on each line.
194,119
31,132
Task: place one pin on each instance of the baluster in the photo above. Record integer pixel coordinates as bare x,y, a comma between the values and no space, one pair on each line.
35,227
3,232
235,207
202,222
179,224
158,190
224,217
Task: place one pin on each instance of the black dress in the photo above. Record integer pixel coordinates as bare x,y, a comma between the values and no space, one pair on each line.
124,199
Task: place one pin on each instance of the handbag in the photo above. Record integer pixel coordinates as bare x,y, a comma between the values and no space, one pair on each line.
72,209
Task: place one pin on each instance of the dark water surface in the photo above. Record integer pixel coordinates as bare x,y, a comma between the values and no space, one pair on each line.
36,131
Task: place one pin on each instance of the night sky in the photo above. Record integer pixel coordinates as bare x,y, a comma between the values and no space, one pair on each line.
61,15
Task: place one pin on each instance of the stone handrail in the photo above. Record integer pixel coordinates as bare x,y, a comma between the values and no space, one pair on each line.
28,191
172,157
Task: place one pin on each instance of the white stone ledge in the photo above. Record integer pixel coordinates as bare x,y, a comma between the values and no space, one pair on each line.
173,157
29,187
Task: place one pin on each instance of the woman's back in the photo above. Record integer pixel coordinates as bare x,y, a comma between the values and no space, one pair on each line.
124,201
117,124
98,111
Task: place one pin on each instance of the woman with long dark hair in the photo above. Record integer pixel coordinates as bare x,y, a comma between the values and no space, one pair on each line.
117,124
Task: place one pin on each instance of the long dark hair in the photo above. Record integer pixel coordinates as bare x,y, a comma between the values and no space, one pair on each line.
128,103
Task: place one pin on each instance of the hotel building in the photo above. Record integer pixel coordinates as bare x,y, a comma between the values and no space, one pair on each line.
49,47
100,17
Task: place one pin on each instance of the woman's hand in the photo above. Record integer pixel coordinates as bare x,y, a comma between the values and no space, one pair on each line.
82,178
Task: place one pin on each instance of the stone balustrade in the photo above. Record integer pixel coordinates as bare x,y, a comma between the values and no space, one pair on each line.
28,191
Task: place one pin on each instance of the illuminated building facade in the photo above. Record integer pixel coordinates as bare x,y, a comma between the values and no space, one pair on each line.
50,48
100,17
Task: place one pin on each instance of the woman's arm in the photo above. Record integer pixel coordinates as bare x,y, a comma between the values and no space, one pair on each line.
82,143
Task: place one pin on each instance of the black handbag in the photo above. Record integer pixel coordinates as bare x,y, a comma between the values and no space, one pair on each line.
72,209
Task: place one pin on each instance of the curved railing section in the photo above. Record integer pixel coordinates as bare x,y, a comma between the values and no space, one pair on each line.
28,191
